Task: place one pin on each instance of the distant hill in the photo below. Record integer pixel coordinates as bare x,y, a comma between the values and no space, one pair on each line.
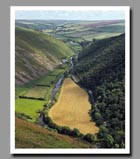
101,69
29,135
36,54
76,32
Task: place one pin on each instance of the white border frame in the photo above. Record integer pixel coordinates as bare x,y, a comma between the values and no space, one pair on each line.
14,150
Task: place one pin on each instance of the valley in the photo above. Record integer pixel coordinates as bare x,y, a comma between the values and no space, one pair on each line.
75,33
70,77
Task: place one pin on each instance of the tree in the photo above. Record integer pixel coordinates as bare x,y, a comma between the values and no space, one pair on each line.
116,145
66,130
119,137
98,118
89,137
108,141
75,132
93,40
103,131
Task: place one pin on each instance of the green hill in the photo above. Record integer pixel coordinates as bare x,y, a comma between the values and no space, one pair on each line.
101,69
29,135
36,54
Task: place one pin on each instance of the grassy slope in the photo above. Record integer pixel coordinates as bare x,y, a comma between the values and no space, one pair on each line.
29,107
29,135
39,41
36,53
85,31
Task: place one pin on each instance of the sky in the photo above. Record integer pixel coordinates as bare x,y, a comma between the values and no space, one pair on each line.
70,14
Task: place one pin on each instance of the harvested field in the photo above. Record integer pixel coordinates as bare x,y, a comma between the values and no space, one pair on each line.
37,92
72,109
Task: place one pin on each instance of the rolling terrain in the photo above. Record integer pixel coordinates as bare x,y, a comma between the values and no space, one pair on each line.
74,32
92,53
36,54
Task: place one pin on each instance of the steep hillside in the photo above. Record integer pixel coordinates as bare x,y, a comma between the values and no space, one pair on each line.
36,53
101,69
29,135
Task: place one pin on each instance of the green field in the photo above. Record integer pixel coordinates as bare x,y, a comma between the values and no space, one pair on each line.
37,92
48,80
90,33
40,88
101,36
53,76
29,107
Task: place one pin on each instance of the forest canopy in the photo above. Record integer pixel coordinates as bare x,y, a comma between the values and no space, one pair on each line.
101,69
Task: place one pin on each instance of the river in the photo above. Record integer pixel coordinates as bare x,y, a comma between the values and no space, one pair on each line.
71,62
56,88
54,91
73,92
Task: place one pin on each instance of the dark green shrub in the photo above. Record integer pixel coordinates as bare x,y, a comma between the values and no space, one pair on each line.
89,137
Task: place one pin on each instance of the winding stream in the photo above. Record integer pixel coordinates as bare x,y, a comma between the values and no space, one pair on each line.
56,88
72,108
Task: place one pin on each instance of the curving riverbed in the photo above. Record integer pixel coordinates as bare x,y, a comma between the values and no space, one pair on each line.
72,108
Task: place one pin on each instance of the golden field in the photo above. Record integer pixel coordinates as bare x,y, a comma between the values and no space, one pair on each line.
72,109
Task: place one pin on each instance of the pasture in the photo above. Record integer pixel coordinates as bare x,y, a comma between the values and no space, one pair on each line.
39,88
53,76
72,108
37,92
79,31
29,107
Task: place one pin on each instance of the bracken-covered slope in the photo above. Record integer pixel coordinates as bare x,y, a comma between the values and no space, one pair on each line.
29,135
36,53
101,69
